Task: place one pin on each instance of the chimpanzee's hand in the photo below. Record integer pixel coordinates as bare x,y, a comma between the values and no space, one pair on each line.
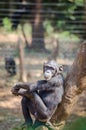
18,85
16,88
15,91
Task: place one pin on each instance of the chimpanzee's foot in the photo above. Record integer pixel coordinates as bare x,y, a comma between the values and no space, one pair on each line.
29,126
37,124
47,124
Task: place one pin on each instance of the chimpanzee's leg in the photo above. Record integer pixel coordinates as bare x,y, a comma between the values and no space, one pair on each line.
25,110
42,112
36,106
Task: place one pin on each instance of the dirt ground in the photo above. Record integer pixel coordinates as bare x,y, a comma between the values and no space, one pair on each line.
11,113
10,106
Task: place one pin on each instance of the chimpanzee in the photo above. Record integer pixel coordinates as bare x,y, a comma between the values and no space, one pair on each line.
10,65
42,98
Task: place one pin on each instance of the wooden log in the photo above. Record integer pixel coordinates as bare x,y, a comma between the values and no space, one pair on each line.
75,84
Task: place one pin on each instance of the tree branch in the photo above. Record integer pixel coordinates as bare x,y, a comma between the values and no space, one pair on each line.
75,83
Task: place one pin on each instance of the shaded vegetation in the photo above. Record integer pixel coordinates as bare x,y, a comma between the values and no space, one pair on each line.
78,124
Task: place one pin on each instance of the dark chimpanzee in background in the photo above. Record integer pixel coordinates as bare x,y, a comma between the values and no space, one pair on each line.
10,65
41,98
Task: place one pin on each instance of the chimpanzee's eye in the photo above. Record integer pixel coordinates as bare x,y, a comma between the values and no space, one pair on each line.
51,68
48,68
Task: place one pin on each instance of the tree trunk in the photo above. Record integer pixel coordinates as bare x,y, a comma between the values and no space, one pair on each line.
11,6
21,60
25,38
75,84
37,27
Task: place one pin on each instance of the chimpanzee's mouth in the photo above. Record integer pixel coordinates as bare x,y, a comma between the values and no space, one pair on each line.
47,78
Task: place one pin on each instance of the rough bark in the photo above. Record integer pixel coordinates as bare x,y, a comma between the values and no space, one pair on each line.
21,62
37,27
75,84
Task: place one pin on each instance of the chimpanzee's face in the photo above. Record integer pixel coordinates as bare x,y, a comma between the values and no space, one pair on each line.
51,68
49,72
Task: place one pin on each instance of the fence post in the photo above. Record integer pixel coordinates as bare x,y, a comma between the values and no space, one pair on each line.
23,76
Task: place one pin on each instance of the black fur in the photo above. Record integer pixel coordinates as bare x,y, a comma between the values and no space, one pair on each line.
10,65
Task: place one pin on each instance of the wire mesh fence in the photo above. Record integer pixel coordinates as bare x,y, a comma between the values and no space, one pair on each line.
46,30
44,27
43,24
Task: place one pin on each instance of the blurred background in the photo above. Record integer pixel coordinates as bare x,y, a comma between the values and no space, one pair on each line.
32,32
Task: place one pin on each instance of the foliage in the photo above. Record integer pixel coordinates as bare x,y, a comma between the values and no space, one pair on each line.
66,36
60,16
79,124
7,24
78,2
48,27
20,127
68,14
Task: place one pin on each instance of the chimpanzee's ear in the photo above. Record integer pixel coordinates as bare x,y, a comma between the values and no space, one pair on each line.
60,68
44,66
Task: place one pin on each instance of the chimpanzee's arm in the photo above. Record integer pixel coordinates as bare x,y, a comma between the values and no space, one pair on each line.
47,85
27,86
41,85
